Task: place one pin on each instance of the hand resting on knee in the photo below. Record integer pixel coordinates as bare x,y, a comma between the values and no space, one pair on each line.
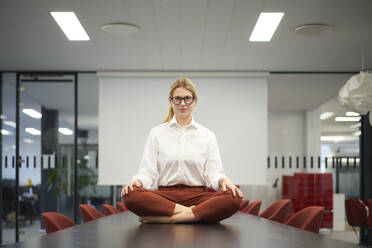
129,187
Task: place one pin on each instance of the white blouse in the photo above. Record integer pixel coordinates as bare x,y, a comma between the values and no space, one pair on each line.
176,155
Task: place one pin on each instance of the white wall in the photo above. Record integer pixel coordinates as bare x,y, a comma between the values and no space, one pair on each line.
313,132
287,137
234,108
295,133
287,133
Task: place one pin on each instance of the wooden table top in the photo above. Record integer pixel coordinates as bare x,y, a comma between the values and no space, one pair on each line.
240,230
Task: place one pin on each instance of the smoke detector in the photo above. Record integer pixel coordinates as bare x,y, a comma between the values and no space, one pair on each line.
313,29
120,29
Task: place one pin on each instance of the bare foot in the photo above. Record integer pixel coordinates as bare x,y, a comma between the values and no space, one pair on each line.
186,215
179,208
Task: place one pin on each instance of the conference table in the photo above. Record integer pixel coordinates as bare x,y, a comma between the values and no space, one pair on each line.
240,230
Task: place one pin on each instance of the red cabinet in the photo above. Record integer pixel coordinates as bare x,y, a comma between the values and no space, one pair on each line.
310,189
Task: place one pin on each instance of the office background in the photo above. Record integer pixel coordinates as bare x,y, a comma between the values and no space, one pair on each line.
263,100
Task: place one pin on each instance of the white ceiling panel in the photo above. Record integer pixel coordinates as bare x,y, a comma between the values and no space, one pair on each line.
185,35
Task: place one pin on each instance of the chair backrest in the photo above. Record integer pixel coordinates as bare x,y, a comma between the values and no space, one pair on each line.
55,221
109,210
278,211
356,212
308,219
121,207
253,208
88,213
369,204
244,204
291,211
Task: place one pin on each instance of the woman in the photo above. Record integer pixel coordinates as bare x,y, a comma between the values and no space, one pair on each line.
183,158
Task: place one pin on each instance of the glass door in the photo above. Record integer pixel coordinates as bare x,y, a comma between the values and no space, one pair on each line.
45,175
7,158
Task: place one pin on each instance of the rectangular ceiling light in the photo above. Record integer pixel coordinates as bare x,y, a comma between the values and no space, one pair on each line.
357,133
32,113
65,131
266,25
332,138
10,123
5,132
347,118
356,125
326,115
70,25
352,114
32,131
28,141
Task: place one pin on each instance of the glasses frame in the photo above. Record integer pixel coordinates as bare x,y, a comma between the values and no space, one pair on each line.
173,99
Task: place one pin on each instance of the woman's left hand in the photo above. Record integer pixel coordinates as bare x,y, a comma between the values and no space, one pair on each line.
226,183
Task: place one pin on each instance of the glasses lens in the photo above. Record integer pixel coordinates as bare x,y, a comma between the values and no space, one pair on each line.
188,99
176,100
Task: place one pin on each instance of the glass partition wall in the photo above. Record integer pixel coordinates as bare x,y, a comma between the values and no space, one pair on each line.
46,120
51,124
88,190
7,148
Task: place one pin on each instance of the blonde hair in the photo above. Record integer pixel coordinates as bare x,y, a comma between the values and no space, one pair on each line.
184,83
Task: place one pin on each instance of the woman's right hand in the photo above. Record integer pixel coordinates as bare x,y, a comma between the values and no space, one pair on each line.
129,186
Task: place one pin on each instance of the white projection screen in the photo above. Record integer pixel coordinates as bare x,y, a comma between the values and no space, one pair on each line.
235,109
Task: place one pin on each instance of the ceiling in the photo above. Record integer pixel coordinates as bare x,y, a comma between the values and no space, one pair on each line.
299,92
330,127
185,35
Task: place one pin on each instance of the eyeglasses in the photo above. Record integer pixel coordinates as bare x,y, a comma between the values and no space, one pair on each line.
187,99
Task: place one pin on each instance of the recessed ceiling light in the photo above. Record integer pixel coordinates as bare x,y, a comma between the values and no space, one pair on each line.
332,138
266,25
32,113
32,131
70,25
65,131
326,115
2,117
5,132
10,123
120,28
312,29
352,114
347,118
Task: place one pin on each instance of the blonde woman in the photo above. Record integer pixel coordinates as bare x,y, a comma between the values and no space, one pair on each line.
183,157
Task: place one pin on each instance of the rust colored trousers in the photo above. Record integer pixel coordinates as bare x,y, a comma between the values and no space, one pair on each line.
209,206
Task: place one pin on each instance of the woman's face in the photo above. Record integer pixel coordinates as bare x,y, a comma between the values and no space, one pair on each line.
182,110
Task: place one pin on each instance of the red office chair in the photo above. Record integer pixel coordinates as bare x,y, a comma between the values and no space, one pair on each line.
89,213
109,210
243,205
308,219
253,208
55,221
369,204
121,207
278,211
356,212
291,211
